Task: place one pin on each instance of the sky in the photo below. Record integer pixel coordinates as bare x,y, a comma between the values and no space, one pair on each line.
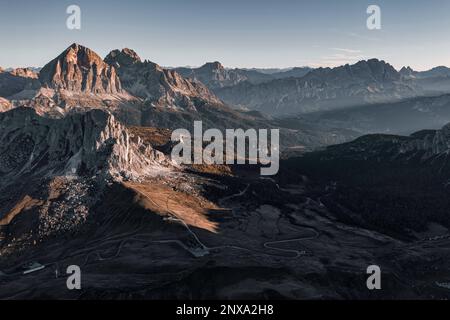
238,33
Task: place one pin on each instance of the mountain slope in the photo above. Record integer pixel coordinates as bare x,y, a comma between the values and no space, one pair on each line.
54,171
160,87
393,184
436,80
17,82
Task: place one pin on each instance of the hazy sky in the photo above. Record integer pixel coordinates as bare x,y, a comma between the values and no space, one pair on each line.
238,33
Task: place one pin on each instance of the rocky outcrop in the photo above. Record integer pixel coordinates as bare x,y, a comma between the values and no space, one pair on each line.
80,69
92,143
434,142
158,86
5,105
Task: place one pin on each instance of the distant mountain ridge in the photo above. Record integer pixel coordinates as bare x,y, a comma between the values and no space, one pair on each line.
215,76
122,77
440,71
323,88
433,81
142,93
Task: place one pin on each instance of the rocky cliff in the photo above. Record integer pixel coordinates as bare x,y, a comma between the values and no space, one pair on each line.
89,143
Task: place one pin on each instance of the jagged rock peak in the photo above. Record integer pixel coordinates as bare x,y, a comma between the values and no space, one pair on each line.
407,72
124,57
80,69
407,69
380,69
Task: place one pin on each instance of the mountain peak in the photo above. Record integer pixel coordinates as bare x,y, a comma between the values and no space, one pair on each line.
124,57
75,46
216,65
407,69
374,62
78,68
407,72
80,51
373,69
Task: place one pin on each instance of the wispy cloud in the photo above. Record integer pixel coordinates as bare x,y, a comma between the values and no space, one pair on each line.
347,50
337,57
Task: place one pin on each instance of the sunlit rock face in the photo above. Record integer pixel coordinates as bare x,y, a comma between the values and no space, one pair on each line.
5,105
80,69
